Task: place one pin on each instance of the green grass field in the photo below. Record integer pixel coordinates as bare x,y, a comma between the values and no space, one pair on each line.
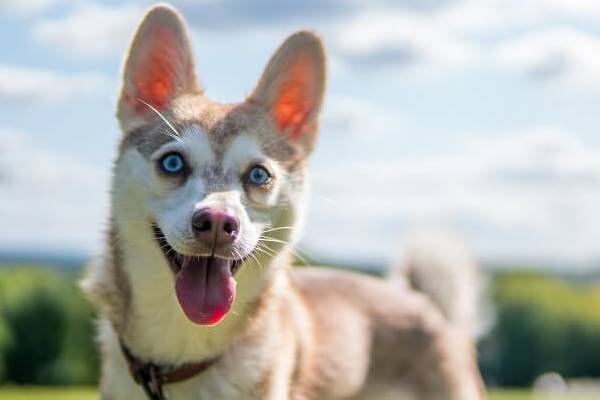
525,395
43,393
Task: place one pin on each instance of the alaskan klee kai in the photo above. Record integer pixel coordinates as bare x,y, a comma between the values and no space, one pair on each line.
196,292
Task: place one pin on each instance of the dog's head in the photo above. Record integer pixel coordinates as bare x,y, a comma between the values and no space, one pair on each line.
216,185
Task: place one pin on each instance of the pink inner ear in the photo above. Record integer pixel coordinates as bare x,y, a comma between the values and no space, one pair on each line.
296,97
155,78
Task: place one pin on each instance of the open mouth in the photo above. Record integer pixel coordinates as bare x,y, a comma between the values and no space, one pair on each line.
176,260
205,285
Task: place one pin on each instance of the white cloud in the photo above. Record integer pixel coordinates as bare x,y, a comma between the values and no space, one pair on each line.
30,7
528,195
49,200
349,116
459,34
91,30
487,17
559,54
21,85
387,38
582,9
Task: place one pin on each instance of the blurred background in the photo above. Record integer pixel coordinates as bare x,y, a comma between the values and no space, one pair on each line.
474,116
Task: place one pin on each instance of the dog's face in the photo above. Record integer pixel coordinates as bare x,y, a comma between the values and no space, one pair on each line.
217,185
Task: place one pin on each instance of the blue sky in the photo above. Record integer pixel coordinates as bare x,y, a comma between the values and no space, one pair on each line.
477,116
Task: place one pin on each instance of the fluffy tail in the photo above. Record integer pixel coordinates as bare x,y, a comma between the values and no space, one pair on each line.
442,267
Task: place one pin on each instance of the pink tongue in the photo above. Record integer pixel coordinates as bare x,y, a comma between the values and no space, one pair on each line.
205,289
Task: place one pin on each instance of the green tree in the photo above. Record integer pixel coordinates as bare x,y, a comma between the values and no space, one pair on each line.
49,328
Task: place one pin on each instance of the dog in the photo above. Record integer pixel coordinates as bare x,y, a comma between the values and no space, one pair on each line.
196,294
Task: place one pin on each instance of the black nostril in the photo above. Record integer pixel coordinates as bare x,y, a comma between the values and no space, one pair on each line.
202,221
205,226
231,226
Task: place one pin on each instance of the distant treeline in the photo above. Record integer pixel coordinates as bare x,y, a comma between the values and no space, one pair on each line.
541,324
46,329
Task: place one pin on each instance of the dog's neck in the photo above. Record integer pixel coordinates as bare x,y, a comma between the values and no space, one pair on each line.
149,319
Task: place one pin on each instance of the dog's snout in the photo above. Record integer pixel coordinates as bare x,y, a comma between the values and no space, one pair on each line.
215,227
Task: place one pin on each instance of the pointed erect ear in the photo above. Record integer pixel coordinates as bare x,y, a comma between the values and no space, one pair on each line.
158,68
291,88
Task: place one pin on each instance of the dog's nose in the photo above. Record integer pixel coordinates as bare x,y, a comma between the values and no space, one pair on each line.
215,227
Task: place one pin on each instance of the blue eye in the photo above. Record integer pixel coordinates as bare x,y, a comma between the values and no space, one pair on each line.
259,176
172,163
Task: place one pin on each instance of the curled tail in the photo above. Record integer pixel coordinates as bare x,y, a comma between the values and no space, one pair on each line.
443,267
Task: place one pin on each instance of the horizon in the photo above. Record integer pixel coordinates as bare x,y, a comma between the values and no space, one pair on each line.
72,260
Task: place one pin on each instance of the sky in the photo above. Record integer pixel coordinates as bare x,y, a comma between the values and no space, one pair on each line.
478,117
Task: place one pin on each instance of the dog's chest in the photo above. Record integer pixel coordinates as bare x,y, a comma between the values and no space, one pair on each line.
225,380
212,385
222,382
244,372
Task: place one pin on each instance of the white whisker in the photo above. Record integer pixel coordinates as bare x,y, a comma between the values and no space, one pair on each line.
177,135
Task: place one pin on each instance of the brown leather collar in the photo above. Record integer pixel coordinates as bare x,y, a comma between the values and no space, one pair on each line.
152,377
